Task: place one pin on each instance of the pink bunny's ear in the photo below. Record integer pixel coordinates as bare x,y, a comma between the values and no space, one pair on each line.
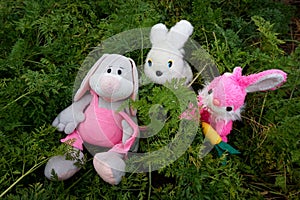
84,87
266,80
135,84
237,72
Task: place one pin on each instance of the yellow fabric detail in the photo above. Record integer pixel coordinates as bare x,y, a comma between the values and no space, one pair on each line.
211,134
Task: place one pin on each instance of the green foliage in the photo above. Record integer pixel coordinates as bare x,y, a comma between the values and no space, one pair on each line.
273,135
269,41
126,18
43,43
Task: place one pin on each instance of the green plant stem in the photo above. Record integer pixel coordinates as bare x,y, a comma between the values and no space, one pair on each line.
262,109
17,99
74,183
36,166
150,183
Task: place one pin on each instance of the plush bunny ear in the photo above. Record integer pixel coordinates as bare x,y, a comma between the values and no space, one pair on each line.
180,33
158,33
84,87
135,84
266,80
135,80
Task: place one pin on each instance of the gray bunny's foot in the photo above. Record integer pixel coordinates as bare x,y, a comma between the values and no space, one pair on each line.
110,167
59,168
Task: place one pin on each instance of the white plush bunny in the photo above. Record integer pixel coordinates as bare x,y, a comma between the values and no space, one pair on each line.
165,61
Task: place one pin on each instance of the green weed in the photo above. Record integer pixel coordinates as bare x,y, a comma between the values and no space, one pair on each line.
42,46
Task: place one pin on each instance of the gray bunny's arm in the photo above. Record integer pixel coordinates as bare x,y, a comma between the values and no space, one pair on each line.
127,131
70,117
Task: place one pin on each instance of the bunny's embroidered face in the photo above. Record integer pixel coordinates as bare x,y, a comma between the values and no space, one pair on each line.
165,61
168,66
223,98
113,77
114,80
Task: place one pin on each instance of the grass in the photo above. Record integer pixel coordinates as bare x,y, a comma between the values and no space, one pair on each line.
43,44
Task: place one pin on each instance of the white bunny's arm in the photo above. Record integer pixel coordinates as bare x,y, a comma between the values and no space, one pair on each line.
70,117
187,73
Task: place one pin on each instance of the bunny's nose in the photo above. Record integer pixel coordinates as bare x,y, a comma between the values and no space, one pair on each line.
216,102
158,73
109,84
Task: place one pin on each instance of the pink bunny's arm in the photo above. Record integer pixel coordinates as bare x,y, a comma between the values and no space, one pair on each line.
223,129
204,114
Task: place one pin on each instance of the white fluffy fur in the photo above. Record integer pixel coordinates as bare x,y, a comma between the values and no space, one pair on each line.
219,112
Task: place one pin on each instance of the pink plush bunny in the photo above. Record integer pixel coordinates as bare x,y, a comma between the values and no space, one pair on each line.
222,100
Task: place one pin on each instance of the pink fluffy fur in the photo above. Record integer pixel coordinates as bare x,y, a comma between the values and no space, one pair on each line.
222,100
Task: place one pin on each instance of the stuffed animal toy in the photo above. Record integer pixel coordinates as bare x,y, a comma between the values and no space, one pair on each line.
95,117
165,60
222,100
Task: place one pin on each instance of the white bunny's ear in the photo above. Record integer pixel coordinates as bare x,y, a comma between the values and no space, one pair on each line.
266,80
180,33
84,87
135,84
158,33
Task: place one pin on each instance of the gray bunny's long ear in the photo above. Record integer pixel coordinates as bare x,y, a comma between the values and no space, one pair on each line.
135,84
84,87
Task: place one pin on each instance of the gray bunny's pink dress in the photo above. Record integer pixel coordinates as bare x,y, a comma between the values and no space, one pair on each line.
102,127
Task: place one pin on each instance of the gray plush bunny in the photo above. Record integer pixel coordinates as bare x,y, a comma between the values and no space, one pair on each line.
95,118
165,60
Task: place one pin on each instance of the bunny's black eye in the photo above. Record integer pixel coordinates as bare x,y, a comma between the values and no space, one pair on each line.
210,91
149,62
108,70
228,109
119,71
170,63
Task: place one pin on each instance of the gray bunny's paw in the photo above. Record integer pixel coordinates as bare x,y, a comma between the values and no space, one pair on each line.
70,127
110,167
58,168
